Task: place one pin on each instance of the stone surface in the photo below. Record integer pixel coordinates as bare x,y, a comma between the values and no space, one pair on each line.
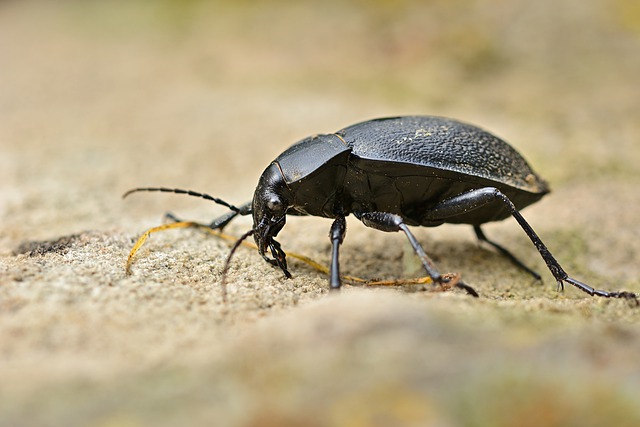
99,97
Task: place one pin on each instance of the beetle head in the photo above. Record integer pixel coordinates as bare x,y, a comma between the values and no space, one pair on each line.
271,200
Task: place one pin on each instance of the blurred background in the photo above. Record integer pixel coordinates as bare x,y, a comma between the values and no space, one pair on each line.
97,97
100,96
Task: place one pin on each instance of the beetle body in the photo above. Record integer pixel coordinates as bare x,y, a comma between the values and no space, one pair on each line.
404,166
393,173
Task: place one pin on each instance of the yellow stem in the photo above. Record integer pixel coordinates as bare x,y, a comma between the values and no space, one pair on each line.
305,259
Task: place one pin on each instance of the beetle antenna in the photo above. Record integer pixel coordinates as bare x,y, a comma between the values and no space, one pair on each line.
187,192
235,246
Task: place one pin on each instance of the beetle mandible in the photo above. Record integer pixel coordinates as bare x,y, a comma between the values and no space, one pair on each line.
392,173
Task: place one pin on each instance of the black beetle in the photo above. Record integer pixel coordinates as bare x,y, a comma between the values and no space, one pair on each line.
392,173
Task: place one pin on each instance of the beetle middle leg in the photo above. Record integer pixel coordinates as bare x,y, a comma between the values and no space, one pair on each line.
385,221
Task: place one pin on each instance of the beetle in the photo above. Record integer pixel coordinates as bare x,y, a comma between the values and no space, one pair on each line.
393,173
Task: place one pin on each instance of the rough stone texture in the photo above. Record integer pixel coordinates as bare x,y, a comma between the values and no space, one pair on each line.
101,97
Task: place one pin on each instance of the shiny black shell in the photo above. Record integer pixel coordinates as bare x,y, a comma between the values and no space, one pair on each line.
405,165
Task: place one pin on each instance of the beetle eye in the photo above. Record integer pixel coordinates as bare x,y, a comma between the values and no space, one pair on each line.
274,204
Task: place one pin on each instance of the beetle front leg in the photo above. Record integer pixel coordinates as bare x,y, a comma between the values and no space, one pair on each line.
337,233
223,220
279,258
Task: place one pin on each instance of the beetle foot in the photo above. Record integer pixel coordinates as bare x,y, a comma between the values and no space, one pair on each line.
279,258
281,263
631,297
453,280
448,281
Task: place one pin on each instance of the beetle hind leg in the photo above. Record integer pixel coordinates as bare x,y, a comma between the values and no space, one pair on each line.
505,252
475,199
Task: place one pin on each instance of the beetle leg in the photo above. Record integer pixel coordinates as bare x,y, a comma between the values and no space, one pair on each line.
338,230
477,198
391,222
279,258
222,221
504,251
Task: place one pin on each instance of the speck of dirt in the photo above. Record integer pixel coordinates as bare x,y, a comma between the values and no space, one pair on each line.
36,248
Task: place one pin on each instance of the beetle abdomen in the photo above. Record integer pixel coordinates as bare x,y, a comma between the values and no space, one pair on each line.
411,191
